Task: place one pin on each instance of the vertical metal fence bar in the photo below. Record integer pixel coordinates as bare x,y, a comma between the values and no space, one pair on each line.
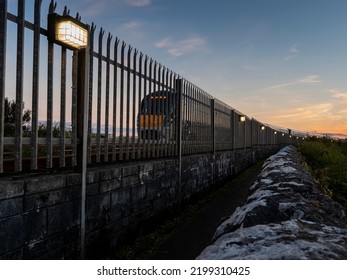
127,128
213,127
35,85
107,100
191,111
168,117
173,123
139,142
115,90
184,117
3,36
133,152
149,119
49,147
19,85
121,108
197,119
90,91
62,107
154,111
160,111
98,125
179,89
145,114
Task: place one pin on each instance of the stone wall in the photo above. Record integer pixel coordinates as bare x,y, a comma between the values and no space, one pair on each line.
286,216
40,214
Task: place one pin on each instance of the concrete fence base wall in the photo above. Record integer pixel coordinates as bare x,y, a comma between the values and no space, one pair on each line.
40,215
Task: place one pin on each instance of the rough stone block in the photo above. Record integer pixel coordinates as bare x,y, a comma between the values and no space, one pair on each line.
63,216
98,205
19,230
93,176
73,180
109,185
9,189
45,199
130,170
120,197
11,207
45,183
139,192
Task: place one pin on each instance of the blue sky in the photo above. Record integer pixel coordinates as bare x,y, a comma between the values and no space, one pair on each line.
282,62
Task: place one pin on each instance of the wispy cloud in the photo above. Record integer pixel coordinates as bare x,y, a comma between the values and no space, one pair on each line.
182,47
341,96
134,24
309,79
293,52
139,3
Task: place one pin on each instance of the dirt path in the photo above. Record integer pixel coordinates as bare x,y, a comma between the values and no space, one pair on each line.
195,234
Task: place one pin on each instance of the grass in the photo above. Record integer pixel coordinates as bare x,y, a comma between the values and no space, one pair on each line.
328,161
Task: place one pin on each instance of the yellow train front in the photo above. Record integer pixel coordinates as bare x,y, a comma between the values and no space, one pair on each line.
156,119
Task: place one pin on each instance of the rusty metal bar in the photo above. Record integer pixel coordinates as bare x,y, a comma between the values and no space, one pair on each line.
3,37
98,128
19,86
107,101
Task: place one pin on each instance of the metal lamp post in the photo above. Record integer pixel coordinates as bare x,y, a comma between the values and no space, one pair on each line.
74,35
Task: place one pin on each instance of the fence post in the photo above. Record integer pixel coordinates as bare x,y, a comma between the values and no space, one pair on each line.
179,92
82,132
19,86
3,33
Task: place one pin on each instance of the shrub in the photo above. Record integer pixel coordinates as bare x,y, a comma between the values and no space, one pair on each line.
328,161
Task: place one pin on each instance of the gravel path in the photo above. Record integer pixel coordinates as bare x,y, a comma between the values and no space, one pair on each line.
188,241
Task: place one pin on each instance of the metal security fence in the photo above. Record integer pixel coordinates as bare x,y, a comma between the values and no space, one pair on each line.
137,108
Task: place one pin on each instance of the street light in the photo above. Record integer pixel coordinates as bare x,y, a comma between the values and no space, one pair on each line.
72,34
67,31
242,118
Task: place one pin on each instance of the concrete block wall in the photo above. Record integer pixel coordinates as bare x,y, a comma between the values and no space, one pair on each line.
40,214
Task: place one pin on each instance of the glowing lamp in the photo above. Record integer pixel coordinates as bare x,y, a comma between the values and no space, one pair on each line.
242,118
262,128
67,31
275,132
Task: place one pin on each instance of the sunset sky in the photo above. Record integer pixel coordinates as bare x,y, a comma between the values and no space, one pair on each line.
282,62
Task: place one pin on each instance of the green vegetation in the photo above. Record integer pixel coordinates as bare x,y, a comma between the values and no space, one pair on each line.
328,160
